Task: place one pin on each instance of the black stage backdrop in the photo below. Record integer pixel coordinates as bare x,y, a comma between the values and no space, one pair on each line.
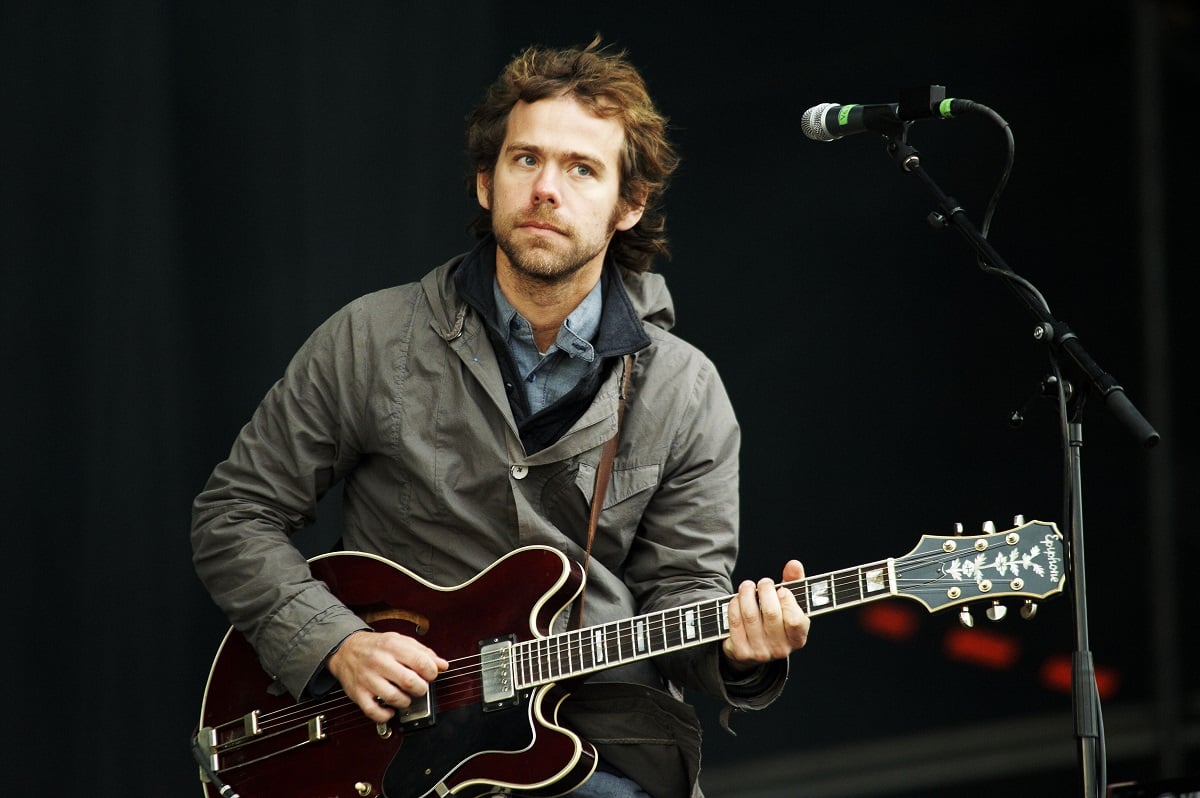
188,189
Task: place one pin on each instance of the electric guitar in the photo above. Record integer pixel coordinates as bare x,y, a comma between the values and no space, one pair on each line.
489,723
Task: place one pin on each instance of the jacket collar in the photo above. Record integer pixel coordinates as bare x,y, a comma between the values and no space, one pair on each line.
621,331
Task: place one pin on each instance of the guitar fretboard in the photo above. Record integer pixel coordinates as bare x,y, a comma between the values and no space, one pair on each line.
608,645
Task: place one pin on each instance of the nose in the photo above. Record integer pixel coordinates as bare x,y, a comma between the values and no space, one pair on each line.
546,189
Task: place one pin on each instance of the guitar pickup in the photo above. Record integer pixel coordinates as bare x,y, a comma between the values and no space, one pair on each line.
419,713
496,673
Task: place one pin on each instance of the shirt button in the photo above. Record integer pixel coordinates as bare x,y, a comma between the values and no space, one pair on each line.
520,471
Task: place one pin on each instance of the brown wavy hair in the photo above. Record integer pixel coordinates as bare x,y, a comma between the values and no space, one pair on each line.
606,83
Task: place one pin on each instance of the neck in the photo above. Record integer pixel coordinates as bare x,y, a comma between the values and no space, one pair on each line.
544,303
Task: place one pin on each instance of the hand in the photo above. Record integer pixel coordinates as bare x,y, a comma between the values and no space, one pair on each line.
765,622
387,667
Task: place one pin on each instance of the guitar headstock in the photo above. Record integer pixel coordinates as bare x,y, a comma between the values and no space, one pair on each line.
942,571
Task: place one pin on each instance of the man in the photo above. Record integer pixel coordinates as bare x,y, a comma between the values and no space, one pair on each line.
466,416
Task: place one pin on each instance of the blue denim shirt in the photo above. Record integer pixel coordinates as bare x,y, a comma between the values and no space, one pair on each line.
547,376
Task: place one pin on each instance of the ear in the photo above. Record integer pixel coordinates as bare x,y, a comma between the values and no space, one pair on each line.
483,189
632,215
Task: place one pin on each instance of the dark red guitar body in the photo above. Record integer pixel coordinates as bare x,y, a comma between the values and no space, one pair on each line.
493,721
269,745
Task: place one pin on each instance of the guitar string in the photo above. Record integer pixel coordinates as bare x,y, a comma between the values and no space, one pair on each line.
575,645
572,646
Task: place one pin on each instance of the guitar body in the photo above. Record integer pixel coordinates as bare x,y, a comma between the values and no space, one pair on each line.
266,744
489,724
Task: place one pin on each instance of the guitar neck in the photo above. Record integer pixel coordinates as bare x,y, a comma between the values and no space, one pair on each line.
596,648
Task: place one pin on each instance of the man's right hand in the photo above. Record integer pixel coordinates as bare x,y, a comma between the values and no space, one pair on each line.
384,668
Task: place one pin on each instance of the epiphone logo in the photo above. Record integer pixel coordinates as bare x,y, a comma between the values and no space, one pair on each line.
1051,557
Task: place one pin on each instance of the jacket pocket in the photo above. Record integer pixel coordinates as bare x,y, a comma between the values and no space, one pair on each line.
623,483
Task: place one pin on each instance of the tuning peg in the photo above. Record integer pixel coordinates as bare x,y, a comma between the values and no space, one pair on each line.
1018,519
965,618
1028,609
989,528
996,612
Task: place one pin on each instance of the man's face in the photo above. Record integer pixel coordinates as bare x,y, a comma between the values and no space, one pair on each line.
553,193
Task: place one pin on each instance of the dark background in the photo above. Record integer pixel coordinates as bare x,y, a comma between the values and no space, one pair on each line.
188,189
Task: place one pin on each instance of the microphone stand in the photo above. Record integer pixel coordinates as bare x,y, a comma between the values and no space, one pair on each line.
1061,340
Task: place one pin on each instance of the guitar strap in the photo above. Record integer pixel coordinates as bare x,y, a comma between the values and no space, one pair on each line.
600,488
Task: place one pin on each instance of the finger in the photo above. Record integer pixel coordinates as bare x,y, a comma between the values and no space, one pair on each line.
735,645
792,571
782,619
399,691
758,626
796,622
768,607
415,656
373,706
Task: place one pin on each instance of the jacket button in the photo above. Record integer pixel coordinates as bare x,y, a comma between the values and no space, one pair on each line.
520,471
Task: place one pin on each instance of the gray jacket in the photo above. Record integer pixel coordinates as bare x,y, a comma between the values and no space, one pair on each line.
399,396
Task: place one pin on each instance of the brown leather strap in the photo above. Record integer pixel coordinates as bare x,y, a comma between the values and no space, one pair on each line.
600,488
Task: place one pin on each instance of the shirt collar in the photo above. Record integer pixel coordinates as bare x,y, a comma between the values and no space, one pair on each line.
574,336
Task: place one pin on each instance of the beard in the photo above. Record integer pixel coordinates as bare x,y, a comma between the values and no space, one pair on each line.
550,260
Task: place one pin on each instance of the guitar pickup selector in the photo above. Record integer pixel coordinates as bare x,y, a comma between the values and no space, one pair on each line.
496,673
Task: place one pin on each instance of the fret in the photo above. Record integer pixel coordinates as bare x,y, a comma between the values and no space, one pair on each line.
656,632
710,619
574,652
599,646
524,670
846,589
875,578
691,626
802,595
820,593
587,654
674,635
613,642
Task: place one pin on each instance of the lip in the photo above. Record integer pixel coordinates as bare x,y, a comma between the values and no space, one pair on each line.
536,225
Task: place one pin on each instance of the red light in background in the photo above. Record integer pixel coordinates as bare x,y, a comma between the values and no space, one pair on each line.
890,620
1056,675
981,647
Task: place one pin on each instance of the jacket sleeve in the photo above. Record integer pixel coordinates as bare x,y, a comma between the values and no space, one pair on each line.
688,543
298,443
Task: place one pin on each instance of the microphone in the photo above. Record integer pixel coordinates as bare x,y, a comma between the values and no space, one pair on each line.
830,121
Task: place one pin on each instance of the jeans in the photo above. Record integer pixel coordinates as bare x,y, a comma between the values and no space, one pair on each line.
603,784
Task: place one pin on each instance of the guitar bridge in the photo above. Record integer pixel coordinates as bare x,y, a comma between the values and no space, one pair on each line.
498,684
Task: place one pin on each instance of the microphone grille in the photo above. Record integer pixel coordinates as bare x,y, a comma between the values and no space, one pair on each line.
812,124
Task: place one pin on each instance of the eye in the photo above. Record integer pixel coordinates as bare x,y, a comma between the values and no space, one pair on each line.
583,170
526,160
